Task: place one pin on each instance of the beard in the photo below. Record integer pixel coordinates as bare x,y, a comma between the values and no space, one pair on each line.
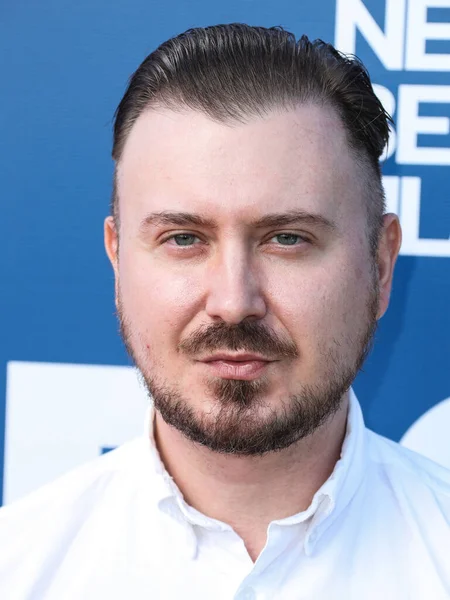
245,423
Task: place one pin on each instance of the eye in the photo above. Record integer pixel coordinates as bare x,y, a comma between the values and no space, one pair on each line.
183,239
289,239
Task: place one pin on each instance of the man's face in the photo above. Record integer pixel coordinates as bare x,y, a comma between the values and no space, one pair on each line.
217,273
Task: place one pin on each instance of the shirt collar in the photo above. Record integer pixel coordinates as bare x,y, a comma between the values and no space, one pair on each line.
166,492
327,504
338,490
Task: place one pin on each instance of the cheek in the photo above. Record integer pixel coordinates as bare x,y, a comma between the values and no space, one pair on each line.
156,299
323,303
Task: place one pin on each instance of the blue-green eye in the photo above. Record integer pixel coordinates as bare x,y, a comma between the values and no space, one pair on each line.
184,239
288,239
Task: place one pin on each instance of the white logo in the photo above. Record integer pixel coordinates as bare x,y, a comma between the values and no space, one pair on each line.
402,46
59,416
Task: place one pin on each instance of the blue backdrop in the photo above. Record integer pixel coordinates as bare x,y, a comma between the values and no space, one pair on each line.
65,66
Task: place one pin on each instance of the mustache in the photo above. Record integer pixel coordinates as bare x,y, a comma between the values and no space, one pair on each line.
248,336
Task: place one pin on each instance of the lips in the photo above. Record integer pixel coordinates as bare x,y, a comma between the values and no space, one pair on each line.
236,358
244,366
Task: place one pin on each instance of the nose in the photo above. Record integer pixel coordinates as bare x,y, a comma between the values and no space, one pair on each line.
234,288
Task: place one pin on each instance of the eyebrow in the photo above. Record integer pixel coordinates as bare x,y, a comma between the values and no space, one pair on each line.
184,219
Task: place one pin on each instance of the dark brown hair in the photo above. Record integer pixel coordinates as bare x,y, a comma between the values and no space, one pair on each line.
235,72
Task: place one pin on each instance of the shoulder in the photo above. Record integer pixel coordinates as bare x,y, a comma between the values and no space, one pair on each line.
410,472
34,527
90,477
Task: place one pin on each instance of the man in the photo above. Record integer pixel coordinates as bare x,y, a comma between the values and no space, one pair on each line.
252,260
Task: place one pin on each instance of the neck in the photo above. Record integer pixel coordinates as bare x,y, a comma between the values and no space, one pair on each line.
249,492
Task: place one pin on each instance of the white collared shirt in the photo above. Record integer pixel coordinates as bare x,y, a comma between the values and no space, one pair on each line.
118,528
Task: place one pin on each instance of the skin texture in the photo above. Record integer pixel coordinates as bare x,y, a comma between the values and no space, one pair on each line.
309,303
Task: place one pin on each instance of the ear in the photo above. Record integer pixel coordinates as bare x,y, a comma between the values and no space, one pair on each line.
388,249
111,239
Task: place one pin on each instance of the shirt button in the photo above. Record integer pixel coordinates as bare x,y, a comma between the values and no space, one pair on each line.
247,593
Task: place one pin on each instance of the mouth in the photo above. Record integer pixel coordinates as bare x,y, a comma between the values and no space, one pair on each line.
244,366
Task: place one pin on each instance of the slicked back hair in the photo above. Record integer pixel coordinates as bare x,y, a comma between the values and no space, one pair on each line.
233,73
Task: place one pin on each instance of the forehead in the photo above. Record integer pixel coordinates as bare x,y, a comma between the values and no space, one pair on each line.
297,159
